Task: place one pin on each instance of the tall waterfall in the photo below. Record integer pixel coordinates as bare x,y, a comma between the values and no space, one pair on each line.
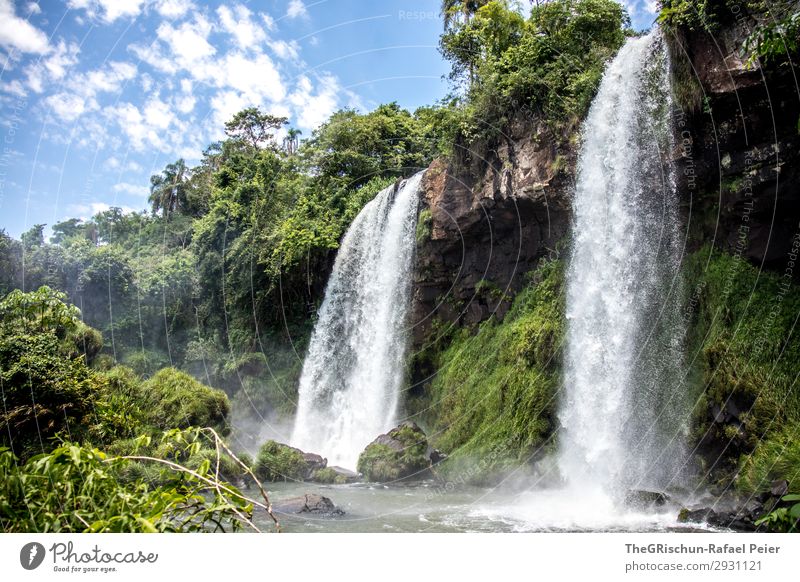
354,369
622,412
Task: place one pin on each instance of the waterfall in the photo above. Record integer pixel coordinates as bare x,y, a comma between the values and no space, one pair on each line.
622,410
352,375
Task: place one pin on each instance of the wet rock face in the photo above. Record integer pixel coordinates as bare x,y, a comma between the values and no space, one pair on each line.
739,156
487,219
400,454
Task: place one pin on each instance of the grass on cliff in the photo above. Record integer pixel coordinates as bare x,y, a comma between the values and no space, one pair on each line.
746,337
494,394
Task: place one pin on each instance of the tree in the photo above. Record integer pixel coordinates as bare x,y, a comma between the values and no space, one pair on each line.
456,44
34,237
292,141
10,262
254,128
168,189
65,229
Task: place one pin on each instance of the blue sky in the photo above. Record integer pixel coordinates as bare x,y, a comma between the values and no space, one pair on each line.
97,95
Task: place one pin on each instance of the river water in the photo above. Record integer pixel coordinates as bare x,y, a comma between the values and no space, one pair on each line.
427,507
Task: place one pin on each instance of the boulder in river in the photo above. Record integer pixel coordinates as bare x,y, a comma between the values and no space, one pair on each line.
307,503
402,453
279,462
644,499
740,519
334,475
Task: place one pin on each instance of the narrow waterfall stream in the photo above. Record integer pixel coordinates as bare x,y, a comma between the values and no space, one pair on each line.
622,411
353,372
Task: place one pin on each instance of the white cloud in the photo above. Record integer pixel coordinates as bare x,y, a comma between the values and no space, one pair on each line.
132,189
186,103
652,6
18,34
256,77
151,54
70,106
87,211
61,59
239,24
54,67
108,79
224,105
33,8
79,94
14,88
158,114
113,163
108,10
311,106
296,9
285,50
154,126
189,41
174,8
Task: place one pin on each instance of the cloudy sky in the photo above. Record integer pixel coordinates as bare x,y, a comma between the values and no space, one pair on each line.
97,95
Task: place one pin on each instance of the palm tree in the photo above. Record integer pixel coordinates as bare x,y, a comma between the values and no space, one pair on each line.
167,189
458,14
292,141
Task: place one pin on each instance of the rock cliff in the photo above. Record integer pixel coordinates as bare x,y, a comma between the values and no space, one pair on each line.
487,219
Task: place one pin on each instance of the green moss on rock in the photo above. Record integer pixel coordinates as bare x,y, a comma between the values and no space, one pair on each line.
743,328
329,476
399,454
492,401
278,462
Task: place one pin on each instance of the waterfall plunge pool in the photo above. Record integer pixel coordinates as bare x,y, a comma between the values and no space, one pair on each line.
429,507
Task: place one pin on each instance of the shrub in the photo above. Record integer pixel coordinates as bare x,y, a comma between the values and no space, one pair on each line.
77,489
176,400
279,462
45,393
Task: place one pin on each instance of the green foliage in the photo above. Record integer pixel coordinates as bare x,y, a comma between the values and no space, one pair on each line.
744,330
494,395
775,458
45,393
253,127
351,148
773,27
778,39
329,476
47,387
406,457
690,14
550,63
119,412
173,399
77,489
424,226
279,462
783,519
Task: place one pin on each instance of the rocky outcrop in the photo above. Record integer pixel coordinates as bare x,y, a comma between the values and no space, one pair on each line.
334,475
402,453
738,147
279,462
487,218
308,503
